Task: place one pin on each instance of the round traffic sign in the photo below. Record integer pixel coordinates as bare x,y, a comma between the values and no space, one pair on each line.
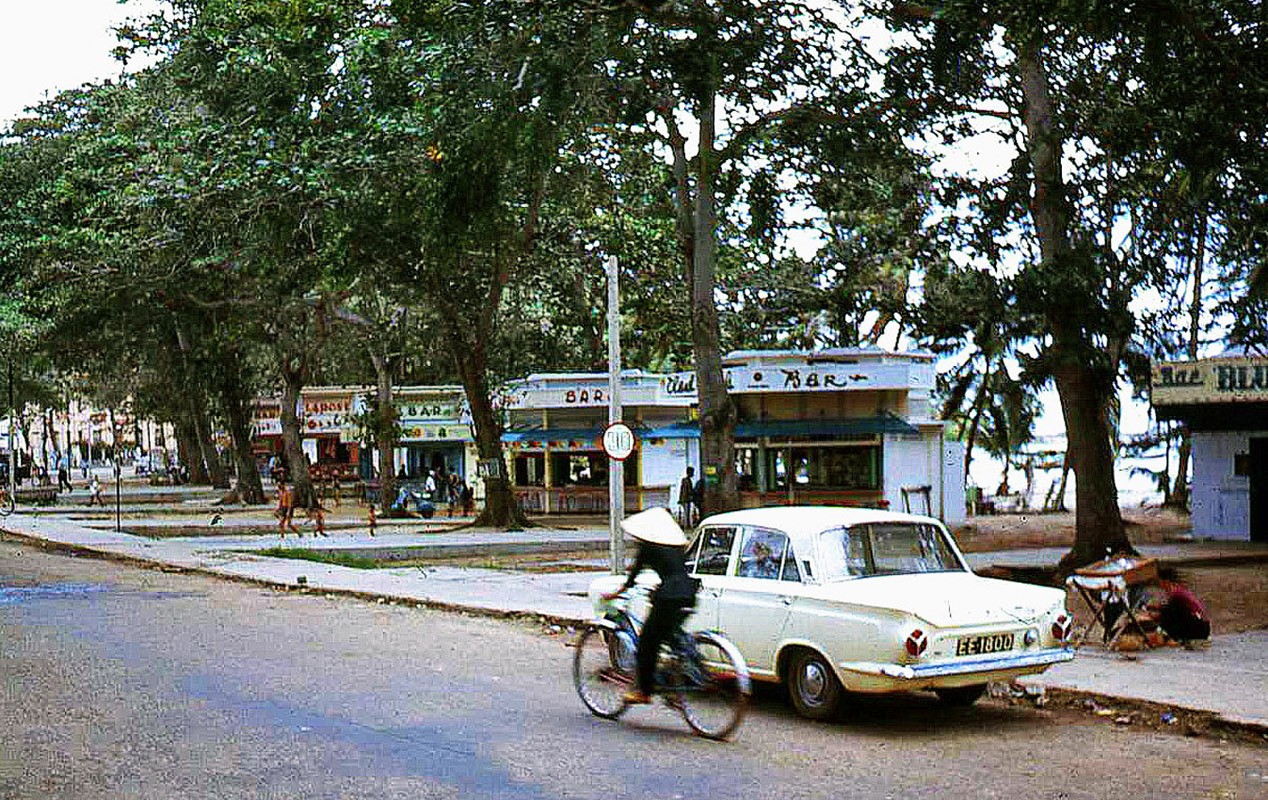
618,441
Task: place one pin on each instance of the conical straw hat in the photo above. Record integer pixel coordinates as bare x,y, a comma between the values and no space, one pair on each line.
655,525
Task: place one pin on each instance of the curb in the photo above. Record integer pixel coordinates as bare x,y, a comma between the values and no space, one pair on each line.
437,605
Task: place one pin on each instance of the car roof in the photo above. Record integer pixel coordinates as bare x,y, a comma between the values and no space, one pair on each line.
810,519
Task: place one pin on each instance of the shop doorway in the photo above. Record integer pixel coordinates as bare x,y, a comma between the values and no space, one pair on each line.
1259,489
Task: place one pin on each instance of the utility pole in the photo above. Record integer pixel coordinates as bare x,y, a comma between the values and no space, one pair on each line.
616,467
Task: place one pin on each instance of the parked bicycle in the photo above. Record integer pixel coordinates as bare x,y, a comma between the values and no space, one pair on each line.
701,674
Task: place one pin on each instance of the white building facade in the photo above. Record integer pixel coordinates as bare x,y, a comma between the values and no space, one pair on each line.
838,427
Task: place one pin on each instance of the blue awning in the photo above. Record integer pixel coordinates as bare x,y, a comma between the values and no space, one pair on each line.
553,434
771,428
676,430
809,428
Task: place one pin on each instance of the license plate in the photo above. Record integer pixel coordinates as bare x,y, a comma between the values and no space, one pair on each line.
980,645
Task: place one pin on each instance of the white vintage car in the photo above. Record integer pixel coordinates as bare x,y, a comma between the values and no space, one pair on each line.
831,599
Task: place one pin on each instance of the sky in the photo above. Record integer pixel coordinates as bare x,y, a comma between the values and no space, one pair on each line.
50,45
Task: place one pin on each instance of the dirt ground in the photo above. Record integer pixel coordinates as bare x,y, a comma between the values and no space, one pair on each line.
1146,525
1236,596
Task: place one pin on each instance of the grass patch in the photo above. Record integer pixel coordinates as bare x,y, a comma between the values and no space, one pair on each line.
321,557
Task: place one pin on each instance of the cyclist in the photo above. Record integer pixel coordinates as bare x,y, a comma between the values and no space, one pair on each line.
661,544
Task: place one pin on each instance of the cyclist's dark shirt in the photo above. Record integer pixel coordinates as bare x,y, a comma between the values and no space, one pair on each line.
667,562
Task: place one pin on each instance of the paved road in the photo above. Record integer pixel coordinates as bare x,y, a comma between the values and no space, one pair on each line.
123,682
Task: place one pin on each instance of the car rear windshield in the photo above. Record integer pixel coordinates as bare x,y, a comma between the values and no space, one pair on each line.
891,548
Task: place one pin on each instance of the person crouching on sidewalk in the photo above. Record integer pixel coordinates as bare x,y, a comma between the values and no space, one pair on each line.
1180,613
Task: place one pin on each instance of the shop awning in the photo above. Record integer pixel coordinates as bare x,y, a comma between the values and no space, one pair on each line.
552,435
809,428
676,430
774,429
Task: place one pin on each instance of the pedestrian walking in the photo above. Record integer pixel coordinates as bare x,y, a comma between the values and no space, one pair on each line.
468,499
317,515
686,494
454,493
63,473
94,492
286,509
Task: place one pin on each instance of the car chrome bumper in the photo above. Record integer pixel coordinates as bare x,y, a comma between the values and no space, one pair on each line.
967,666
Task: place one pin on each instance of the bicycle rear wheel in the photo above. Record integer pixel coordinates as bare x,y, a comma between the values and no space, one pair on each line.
602,670
715,708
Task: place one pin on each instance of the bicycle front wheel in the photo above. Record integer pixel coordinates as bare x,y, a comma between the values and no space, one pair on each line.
602,671
715,703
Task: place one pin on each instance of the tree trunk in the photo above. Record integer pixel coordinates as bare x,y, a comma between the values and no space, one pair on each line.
501,508
696,223
292,438
1180,490
717,410
249,487
202,425
1059,502
1098,522
975,416
385,429
237,405
188,452
1084,386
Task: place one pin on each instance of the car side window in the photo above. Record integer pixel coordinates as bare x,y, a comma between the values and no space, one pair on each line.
714,555
762,554
790,573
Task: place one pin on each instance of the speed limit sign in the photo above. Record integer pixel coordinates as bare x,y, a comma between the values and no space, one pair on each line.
618,441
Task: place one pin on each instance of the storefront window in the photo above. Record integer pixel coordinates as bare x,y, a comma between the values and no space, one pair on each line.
824,467
530,470
570,469
587,469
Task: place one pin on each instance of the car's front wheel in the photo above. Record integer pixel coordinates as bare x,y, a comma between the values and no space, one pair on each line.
813,686
961,696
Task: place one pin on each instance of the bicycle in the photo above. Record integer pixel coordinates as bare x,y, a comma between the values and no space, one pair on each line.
702,675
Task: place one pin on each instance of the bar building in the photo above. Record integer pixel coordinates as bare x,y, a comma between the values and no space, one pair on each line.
1224,403
839,427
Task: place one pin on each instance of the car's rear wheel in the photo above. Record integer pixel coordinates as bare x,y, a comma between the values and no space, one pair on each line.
961,696
813,686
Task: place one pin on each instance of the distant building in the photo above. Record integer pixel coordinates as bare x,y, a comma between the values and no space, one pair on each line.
1224,403
838,427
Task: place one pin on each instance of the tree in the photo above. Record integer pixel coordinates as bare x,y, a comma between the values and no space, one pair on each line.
748,84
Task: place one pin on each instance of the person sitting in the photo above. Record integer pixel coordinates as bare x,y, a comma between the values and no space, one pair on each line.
402,497
761,564
1180,613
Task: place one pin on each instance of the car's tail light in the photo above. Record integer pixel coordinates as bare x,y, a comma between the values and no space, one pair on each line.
916,643
1061,628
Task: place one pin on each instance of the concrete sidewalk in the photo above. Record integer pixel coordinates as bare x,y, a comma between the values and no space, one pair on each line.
1230,679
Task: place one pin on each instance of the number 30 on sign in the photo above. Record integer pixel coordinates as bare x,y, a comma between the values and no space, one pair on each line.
618,441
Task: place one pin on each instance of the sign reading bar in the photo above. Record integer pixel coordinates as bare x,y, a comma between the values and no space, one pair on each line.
1213,380
810,378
